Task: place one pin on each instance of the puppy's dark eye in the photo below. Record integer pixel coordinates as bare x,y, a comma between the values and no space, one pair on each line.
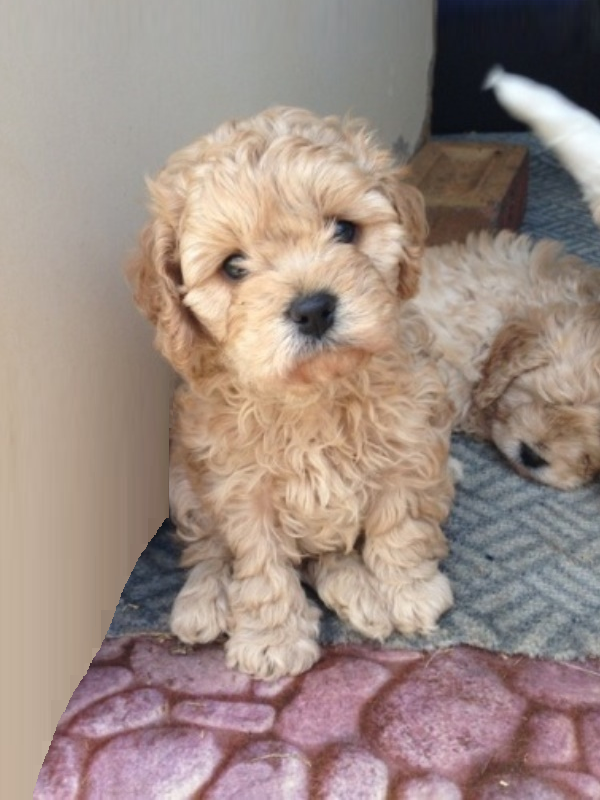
529,458
344,231
232,267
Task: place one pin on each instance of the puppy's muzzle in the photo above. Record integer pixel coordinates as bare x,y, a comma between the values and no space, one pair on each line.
313,314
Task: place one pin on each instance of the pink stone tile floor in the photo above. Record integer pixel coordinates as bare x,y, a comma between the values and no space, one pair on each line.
152,719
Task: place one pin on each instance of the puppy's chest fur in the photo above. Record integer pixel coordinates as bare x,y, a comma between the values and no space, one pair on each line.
314,464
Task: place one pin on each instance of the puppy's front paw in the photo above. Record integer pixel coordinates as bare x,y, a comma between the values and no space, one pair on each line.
416,605
344,585
200,611
271,654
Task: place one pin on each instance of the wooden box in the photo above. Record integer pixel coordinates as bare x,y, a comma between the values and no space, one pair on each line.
470,186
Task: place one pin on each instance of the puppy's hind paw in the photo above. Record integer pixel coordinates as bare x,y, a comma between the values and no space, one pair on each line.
200,614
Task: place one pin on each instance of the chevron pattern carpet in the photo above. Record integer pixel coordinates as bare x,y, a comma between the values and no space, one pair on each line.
525,559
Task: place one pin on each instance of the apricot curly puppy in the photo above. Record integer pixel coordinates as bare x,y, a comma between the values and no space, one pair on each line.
276,265
516,325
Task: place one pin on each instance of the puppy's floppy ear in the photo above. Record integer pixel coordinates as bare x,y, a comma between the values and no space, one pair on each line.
155,275
520,346
410,207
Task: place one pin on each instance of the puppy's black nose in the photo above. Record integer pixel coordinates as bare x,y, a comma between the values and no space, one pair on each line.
529,458
314,314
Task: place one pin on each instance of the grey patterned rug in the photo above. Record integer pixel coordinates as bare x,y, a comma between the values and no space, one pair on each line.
525,559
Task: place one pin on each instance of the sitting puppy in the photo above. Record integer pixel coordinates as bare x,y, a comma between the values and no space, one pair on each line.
310,428
517,333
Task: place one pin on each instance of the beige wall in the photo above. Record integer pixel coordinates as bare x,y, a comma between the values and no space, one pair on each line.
93,95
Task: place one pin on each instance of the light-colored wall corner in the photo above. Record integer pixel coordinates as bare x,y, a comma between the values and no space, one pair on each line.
94,96
405,150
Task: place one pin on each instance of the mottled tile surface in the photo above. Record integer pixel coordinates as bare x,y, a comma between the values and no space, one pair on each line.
152,719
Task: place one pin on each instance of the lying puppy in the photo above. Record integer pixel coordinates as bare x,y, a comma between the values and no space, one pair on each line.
310,428
517,333
539,396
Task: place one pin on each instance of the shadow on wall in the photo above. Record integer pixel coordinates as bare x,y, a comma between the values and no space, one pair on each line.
556,42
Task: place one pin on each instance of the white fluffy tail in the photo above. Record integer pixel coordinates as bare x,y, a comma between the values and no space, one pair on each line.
570,131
